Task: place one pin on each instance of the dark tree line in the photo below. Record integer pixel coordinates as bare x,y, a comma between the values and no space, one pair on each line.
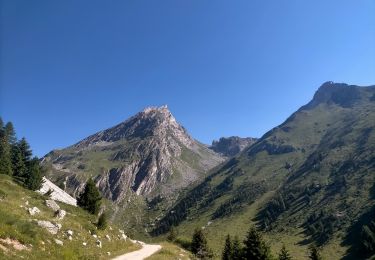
254,247
16,158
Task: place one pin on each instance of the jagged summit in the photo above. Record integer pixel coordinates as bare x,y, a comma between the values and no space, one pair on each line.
152,121
149,154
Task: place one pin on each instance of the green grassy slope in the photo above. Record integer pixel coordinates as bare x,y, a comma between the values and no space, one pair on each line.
307,180
18,225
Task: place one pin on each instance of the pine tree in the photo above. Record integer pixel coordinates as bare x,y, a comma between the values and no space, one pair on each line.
5,151
102,221
236,249
18,163
228,249
314,253
90,198
199,245
255,247
10,132
284,254
25,150
21,161
172,235
34,176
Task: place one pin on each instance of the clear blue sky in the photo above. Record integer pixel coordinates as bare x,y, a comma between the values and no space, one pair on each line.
70,68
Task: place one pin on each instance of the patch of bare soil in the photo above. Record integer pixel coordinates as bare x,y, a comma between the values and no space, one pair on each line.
12,242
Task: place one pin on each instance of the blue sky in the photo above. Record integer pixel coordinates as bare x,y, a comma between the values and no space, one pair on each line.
71,68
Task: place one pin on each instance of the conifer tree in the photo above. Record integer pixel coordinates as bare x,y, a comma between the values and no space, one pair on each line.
90,198
199,245
34,176
10,132
284,254
228,249
255,247
21,160
25,150
5,151
314,253
172,235
18,163
236,249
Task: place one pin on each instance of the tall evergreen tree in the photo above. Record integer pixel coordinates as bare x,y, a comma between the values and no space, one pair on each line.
284,254
21,159
18,163
255,247
25,150
314,253
228,249
90,198
199,245
5,151
236,249
10,132
34,176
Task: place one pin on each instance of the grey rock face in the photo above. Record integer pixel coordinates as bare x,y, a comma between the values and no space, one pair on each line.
148,154
231,146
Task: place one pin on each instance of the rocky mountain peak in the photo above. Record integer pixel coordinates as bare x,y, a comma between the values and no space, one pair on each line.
149,154
155,122
341,94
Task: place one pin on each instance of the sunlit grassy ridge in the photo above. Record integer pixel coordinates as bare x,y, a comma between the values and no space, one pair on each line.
16,223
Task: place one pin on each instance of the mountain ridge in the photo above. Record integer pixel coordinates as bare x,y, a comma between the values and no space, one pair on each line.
134,156
303,173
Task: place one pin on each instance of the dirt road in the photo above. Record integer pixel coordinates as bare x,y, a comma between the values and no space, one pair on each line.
140,254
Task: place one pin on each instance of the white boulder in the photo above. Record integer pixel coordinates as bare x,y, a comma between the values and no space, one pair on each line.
60,214
59,242
33,211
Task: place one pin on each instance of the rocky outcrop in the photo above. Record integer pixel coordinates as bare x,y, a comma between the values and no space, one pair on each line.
148,154
56,192
49,226
231,146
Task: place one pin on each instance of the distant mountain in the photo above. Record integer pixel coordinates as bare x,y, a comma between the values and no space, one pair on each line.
309,180
230,146
149,154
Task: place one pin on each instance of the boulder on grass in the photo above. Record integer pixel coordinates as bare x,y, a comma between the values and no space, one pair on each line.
53,205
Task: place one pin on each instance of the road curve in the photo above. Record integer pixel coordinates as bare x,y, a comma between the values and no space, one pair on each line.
140,254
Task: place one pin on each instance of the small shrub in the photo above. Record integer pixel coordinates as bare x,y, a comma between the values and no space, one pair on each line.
102,221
